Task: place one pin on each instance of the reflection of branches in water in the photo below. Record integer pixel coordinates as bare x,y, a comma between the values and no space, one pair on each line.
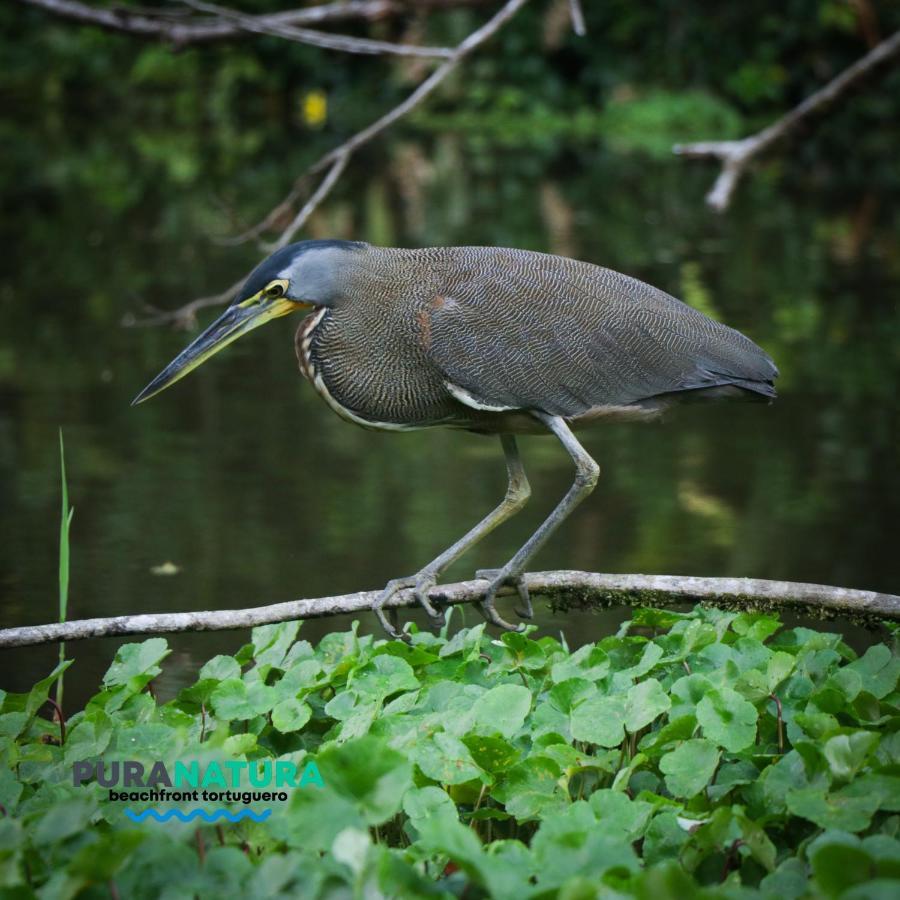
736,156
335,161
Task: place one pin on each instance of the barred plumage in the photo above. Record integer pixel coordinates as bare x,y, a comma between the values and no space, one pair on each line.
477,337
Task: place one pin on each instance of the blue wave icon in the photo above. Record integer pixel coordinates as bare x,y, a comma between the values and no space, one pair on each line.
198,813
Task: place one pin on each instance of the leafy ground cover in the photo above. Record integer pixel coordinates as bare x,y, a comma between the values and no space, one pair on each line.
701,754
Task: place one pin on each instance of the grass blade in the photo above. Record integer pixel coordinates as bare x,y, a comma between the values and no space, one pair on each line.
65,521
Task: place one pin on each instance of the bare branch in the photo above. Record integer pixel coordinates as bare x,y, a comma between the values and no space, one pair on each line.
475,39
168,25
328,182
577,16
736,156
162,25
342,153
260,25
565,590
185,317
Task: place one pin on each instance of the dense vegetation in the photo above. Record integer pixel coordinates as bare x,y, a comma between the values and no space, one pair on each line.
704,750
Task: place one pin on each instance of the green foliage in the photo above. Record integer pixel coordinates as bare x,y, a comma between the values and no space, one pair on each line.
657,761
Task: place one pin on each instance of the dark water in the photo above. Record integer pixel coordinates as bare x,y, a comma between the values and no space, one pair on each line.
257,493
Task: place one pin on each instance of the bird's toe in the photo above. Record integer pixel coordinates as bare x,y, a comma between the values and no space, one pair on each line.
499,578
489,610
420,583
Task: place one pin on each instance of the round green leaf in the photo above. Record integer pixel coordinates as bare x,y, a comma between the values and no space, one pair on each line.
290,715
728,719
689,768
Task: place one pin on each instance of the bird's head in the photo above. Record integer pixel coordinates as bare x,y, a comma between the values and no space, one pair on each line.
301,276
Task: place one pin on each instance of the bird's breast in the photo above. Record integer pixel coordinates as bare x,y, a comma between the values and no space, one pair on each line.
369,372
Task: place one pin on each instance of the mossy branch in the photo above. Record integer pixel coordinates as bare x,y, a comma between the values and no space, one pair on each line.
564,590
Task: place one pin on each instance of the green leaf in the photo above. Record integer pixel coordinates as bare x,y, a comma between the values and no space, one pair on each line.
847,753
568,845
879,670
727,719
69,817
315,817
525,653
235,699
588,662
427,803
369,773
501,710
645,701
383,676
220,668
272,642
599,720
619,815
531,789
290,715
689,768
688,691
840,809
757,626
664,838
491,753
446,759
137,664
730,776
789,881
840,861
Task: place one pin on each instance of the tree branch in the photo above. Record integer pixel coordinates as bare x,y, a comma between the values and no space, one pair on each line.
166,25
736,156
342,42
565,590
577,16
342,154
161,25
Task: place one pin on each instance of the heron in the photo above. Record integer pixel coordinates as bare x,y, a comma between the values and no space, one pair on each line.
491,340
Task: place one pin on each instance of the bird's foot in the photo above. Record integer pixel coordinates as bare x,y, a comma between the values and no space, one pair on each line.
499,578
421,583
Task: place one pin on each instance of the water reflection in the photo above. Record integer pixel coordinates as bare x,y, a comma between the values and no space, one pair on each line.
246,482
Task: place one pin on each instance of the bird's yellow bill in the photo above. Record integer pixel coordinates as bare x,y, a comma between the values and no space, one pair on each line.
237,320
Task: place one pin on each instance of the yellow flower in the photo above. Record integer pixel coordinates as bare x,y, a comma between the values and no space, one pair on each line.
315,108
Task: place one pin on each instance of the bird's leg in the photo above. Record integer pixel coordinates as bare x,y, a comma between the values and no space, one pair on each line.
517,493
586,474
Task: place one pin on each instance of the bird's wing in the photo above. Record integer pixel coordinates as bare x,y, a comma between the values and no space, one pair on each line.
519,330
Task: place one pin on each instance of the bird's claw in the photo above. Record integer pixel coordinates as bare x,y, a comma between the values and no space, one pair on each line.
498,578
421,584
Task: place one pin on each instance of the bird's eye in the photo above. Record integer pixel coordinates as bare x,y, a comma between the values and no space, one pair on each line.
274,290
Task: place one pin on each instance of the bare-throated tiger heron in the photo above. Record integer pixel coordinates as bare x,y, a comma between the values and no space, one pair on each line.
488,339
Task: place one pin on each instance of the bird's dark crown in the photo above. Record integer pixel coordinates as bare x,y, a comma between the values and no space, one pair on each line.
274,265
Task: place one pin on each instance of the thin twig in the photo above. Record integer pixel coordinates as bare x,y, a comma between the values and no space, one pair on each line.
185,316
342,42
59,718
173,26
340,154
475,39
180,31
577,16
736,156
566,590
322,191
